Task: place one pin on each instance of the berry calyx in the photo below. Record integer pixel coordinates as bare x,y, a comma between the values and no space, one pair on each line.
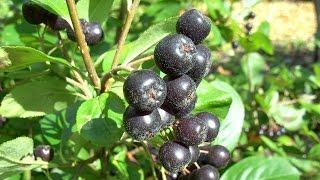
212,123
33,13
195,25
218,156
145,90
206,172
174,156
141,125
190,131
166,118
202,63
173,54
181,95
44,152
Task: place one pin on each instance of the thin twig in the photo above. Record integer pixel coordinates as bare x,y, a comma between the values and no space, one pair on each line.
131,11
84,49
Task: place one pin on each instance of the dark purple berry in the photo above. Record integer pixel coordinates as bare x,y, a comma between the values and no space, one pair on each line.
56,23
181,95
218,156
173,54
202,63
94,34
206,172
251,15
234,45
145,90
195,153
248,27
174,156
190,131
44,152
212,123
166,118
70,32
195,25
141,125
33,13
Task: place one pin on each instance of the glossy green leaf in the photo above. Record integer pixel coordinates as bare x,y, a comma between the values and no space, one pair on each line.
94,10
231,126
37,98
16,156
99,120
262,168
145,41
13,58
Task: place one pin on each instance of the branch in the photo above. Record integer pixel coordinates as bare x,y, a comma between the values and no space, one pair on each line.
131,11
83,45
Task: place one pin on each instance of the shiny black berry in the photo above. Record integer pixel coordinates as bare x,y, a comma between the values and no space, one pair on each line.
234,45
166,118
181,95
190,131
173,54
56,23
218,156
248,27
145,90
195,153
33,13
141,125
251,15
70,32
94,33
195,25
206,172
174,156
202,63
44,152
212,123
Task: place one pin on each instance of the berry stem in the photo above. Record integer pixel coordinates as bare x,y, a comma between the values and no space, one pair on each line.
84,49
145,147
125,30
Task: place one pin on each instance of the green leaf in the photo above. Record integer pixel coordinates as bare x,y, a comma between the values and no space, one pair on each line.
58,7
231,126
264,28
13,58
262,168
253,66
307,166
94,10
99,120
16,156
145,41
257,41
211,99
218,9
37,98
273,146
314,153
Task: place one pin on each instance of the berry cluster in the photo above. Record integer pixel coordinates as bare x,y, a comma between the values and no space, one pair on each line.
156,103
36,15
44,152
272,131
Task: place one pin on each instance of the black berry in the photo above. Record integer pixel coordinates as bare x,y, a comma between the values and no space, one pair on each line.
145,90
174,53
218,156
212,123
248,27
190,131
70,32
141,125
44,152
166,118
195,153
174,156
94,33
56,23
234,45
202,63
251,15
195,25
33,13
181,95
206,172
